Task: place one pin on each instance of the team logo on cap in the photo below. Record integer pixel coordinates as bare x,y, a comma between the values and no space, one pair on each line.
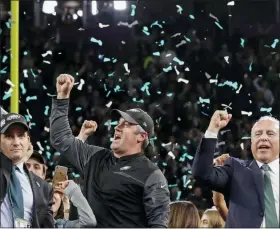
13,117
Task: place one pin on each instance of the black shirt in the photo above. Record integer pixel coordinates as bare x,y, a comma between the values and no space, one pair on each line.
126,192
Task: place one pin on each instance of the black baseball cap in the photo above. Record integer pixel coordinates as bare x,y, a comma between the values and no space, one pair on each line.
12,118
38,157
136,116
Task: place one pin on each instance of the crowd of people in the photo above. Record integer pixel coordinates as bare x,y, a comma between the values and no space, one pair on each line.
178,74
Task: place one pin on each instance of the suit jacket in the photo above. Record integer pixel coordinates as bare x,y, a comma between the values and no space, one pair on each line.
42,194
241,180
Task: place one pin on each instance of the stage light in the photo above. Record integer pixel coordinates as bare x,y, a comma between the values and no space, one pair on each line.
94,10
119,5
49,7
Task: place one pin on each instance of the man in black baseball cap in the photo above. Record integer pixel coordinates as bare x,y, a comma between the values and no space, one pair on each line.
8,119
37,164
139,118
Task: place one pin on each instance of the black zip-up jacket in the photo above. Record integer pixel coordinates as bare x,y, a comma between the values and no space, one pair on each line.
126,192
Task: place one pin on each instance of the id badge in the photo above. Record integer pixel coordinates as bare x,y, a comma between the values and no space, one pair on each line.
22,223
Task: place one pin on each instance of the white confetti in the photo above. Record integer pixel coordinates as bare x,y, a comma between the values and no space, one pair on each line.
181,43
128,25
47,62
187,69
175,35
82,82
171,155
40,146
126,67
10,82
102,25
109,104
231,3
237,92
212,16
25,73
246,113
47,53
226,59
213,81
207,75
47,129
30,116
176,70
183,80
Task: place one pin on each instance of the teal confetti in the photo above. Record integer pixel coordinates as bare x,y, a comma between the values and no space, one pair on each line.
250,67
111,74
109,92
48,94
192,17
146,88
266,109
169,68
230,84
29,98
23,90
27,118
114,60
138,101
187,39
78,109
178,61
105,87
145,30
4,59
48,147
0,30
34,75
8,25
56,154
275,42
217,24
173,185
179,193
117,88
111,139
46,112
111,123
25,53
133,8
185,181
33,124
99,42
169,94
201,100
242,41
48,155
161,43
164,164
156,53
3,71
156,23
44,87
106,59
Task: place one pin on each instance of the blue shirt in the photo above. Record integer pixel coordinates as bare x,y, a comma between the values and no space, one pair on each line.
6,209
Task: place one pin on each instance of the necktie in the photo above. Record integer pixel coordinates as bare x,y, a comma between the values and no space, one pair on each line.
269,201
16,195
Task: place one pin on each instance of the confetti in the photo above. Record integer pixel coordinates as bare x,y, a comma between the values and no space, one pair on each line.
99,42
179,9
46,61
192,17
146,88
78,109
138,101
176,35
275,42
102,26
230,84
246,113
4,59
47,53
133,8
145,30
25,73
266,109
207,75
242,42
126,67
226,59
23,90
201,100
46,112
217,24
183,80
214,17
40,146
231,3
181,43
168,69
109,104
128,25
82,82
250,67
3,71
29,98
238,90
9,82
156,53
178,61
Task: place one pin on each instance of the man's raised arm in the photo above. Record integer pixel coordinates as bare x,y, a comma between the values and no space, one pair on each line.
61,135
202,168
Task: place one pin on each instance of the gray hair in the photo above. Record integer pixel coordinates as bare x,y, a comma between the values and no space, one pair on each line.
270,118
140,130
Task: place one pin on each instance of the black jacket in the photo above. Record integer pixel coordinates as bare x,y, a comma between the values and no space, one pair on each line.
126,192
42,194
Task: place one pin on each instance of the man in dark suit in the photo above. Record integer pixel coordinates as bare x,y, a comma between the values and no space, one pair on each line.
25,199
252,186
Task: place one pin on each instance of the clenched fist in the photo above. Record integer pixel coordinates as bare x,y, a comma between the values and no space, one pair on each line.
221,159
218,121
64,85
88,128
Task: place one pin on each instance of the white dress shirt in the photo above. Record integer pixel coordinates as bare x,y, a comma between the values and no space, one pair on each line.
274,176
6,209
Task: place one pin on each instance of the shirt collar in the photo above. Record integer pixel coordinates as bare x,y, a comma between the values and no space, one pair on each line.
274,165
20,167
